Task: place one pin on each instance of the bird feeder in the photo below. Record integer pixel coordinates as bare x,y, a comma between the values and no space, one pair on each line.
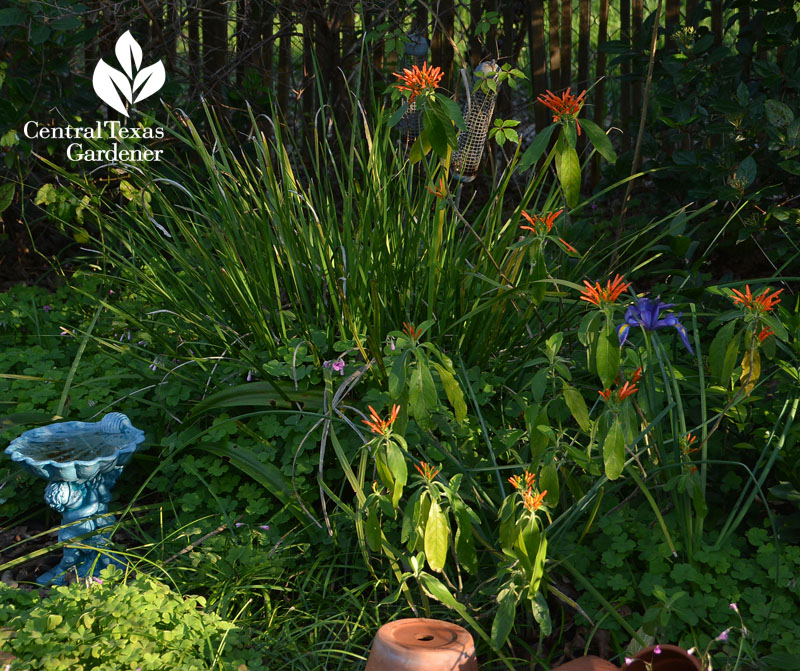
416,53
477,113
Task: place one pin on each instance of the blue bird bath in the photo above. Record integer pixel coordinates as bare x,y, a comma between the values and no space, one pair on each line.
81,461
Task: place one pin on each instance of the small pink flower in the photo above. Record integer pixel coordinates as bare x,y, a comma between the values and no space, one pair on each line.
629,661
690,651
723,636
265,527
734,607
46,308
239,524
338,366
111,293
249,375
657,650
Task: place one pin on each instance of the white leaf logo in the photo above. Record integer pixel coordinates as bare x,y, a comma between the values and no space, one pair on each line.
109,82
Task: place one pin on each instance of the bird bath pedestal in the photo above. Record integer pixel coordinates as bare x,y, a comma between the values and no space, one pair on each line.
81,461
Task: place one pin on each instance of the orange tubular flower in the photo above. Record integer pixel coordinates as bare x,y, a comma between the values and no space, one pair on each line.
765,302
637,375
764,334
441,192
379,425
515,481
426,471
536,221
532,502
411,332
416,81
566,105
568,246
626,390
597,294
606,394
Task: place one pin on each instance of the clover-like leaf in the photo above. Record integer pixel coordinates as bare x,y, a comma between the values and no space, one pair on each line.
108,83
151,79
129,53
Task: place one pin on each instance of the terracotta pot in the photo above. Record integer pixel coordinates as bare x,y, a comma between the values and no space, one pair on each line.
672,658
421,644
588,663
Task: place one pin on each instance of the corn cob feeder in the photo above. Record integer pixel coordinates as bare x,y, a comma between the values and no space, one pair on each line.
477,116
416,53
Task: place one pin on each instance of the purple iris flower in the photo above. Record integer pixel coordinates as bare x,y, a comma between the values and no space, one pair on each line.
646,314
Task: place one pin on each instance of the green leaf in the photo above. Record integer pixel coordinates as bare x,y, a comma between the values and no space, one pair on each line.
6,195
511,135
437,537
465,544
746,172
11,17
541,613
577,406
504,617
454,393
548,480
614,451
600,140
46,195
399,469
438,591
395,118
607,356
539,145
373,530
717,352
729,362
409,516
453,111
568,169
434,131
538,566
397,376
778,113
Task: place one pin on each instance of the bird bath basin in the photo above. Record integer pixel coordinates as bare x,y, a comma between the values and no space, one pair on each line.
81,461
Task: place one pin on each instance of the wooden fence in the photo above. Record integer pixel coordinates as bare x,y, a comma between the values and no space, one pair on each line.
218,45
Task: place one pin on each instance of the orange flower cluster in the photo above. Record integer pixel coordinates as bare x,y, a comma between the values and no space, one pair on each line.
441,192
627,389
426,471
411,332
530,500
686,442
598,295
764,302
417,80
536,221
566,105
765,333
378,425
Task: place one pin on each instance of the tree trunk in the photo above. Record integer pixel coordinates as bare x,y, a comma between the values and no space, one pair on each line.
193,48
555,46
566,43
442,46
600,76
625,69
638,39
285,61
538,61
584,40
215,45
